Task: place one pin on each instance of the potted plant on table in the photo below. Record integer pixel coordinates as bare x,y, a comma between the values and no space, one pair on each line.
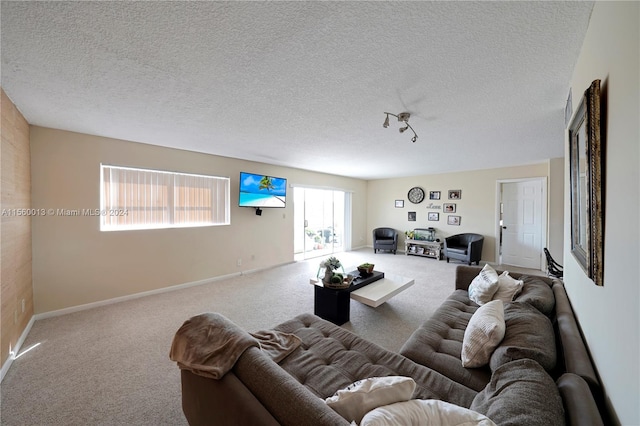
366,269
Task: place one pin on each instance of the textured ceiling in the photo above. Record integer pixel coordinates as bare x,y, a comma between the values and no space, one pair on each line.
303,84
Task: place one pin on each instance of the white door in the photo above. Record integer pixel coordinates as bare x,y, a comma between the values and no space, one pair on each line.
523,223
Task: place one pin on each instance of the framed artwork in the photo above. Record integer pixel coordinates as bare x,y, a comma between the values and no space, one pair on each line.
399,204
586,183
412,216
449,207
434,216
434,195
455,194
453,220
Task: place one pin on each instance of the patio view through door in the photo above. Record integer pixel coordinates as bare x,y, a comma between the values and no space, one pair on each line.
319,222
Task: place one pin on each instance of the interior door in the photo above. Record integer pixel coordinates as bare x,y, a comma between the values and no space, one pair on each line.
523,223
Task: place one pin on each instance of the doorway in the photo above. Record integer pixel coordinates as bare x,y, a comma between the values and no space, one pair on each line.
320,227
522,222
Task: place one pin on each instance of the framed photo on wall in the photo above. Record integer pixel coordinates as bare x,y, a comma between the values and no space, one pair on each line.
449,207
455,194
399,204
434,195
411,216
453,220
434,216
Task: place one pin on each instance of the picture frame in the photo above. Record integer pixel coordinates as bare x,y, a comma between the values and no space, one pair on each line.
433,216
454,220
449,207
411,216
399,204
586,183
455,194
434,195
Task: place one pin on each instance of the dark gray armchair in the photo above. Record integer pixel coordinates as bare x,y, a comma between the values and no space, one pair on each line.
385,239
465,247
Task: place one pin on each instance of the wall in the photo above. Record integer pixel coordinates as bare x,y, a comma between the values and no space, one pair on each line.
15,231
609,315
477,207
75,264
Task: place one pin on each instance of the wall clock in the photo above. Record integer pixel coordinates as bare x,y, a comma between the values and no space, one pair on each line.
416,195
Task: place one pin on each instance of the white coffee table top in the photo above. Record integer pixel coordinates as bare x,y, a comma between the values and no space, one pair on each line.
378,292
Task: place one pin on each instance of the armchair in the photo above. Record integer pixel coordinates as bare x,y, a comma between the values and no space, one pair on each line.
385,239
465,247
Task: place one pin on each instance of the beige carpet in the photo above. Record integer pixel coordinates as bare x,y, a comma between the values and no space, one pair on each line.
110,365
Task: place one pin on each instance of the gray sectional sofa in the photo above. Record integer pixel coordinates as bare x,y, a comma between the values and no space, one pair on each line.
534,378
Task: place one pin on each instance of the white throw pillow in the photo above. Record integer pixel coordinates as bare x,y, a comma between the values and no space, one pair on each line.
508,287
484,332
362,396
484,286
424,412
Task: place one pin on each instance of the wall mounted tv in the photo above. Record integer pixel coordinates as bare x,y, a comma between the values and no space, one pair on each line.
260,191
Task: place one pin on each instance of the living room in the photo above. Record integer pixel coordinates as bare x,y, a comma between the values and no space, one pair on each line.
71,265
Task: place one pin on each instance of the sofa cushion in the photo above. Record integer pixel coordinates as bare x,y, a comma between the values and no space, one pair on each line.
528,334
331,358
484,285
424,412
538,294
508,287
521,393
357,399
437,343
484,332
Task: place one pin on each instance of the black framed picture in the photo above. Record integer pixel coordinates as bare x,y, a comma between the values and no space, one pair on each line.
434,216
449,207
453,220
434,195
455,194
411,216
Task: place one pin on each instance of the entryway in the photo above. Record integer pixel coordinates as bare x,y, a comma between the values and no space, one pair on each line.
522,222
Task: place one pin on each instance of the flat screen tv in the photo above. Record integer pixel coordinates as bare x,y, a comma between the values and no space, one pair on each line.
262,191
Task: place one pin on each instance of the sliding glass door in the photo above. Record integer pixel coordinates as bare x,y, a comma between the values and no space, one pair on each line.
319,222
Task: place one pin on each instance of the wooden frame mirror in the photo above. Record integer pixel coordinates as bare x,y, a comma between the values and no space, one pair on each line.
585,163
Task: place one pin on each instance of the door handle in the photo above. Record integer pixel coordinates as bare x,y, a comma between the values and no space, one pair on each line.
504,227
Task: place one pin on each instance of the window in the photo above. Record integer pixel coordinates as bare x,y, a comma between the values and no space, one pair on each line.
145,199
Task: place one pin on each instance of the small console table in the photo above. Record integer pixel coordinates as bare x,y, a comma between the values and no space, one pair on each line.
423,248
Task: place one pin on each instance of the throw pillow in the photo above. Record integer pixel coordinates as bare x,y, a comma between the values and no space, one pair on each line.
360,397
484,286
483,333
424,412
508,287
529,334
538,294
521,393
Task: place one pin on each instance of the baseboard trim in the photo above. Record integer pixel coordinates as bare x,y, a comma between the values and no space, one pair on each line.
16,349
91,305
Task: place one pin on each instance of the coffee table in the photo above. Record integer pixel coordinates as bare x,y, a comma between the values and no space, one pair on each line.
335,305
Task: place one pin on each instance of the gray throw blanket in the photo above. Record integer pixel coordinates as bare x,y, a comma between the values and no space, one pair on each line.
209,345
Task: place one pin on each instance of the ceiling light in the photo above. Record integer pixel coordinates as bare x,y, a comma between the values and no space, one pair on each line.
403,117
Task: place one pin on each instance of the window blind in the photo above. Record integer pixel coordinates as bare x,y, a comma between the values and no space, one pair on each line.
134,198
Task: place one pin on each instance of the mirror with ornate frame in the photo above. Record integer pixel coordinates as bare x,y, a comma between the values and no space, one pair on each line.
585,163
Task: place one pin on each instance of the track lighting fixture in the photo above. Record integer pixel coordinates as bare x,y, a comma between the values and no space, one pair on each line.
403,117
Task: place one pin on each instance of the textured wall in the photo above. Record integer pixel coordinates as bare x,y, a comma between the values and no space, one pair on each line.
15,231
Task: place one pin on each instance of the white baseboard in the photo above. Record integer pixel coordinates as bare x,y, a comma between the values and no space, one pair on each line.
86,306
16,349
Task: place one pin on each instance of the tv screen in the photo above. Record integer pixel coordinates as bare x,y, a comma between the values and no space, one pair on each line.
262,191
